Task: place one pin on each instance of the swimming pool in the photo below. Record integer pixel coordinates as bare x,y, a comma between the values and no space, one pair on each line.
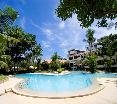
59,84
71,82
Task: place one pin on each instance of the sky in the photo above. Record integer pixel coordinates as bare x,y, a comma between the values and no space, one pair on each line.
38,17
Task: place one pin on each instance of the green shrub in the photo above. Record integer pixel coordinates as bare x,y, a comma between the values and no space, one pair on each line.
54,65
91,62
60,70
3,78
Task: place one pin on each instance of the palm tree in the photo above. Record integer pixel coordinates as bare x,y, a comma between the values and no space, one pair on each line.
55,57
90,38
91,57
55,63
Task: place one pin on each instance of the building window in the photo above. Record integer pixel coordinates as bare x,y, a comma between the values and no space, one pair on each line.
100,62
82,56
75,57
70,58
71,64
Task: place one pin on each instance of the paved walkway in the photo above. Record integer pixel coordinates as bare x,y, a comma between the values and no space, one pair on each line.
107,96
8,84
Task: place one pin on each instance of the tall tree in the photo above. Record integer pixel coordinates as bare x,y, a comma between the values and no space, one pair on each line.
108,48
15,43
45,66
7,17
88,10
36,54
91,62
55,64
3,57
90,39
55,57
19,44
91,57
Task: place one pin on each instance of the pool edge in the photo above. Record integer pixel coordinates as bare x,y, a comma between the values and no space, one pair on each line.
90,92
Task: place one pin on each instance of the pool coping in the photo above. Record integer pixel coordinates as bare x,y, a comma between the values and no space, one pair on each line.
64,97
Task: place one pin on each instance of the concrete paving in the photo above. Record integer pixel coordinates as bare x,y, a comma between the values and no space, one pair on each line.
106,96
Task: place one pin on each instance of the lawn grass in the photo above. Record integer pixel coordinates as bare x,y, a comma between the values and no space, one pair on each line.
3,78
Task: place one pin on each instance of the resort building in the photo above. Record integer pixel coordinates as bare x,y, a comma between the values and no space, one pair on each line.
73,56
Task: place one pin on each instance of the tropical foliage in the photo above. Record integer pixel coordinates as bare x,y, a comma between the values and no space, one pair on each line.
3,78
107,50
7,17
45,66
17,48
90,59
90,38
91,62
55,57
65,65
55,63
88,10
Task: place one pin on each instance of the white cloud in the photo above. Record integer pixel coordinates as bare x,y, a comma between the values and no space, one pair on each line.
61,25
47,49
35,25
65,35
49,33
100,32
23,22
104,31
68,34
45,44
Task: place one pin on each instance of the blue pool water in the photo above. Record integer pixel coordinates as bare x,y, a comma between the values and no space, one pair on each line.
59,83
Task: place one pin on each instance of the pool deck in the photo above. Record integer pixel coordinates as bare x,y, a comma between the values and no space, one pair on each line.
106,96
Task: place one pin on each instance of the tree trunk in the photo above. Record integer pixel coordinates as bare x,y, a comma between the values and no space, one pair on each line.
14,66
